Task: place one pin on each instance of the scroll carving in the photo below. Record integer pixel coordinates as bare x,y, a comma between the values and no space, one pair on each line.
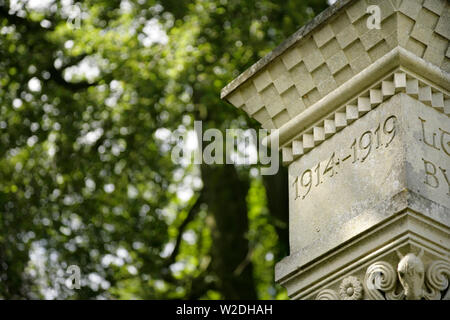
327,294
381,277
412,279
437,276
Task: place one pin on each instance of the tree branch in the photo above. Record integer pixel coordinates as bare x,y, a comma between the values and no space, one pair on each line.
199,286
248,258
57,77
190,216
19,21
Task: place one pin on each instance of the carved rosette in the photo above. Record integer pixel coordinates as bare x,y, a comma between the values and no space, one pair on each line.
350,289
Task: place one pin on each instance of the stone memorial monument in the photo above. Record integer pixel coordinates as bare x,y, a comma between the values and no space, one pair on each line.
359,99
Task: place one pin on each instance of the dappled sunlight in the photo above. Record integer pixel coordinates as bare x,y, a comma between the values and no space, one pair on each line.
92,94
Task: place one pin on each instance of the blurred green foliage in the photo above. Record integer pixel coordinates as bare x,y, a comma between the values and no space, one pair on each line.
86,178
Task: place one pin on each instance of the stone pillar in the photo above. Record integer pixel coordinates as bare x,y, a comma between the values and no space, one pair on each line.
362,115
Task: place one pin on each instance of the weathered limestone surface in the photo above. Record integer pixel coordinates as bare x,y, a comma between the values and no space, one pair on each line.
363,121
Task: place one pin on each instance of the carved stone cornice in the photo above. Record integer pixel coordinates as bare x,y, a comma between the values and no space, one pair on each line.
397,82
334,48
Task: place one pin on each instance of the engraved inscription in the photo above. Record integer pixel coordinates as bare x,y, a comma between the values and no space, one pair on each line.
439,140
359,151
432,140
433,176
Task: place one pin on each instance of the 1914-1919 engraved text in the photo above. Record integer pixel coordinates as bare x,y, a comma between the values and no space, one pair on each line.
359,151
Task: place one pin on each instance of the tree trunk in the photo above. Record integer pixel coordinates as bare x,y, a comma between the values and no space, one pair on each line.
225,195
277,191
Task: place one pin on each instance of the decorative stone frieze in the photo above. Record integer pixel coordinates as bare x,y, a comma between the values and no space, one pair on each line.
410,280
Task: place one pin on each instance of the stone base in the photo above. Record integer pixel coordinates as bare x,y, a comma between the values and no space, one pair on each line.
386,242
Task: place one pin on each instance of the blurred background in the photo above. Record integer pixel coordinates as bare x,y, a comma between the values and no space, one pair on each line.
90,94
